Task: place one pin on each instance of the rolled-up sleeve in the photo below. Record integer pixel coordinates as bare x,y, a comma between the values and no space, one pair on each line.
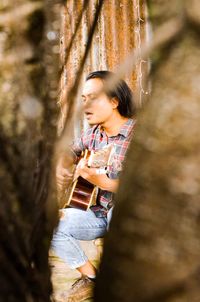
77,146
116,167
80,144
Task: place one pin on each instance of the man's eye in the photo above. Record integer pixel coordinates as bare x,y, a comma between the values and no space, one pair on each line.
93,98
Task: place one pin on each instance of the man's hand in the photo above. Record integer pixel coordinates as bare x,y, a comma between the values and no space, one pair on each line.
83,170
64,173
90,174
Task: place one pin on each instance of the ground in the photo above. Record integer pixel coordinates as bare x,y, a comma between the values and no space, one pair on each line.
62,276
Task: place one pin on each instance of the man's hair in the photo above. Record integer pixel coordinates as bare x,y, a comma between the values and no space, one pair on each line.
121,92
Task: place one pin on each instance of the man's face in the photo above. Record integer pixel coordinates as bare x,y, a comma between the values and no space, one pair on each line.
98,107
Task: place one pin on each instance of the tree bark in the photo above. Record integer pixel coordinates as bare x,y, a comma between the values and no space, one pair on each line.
28,115
152,250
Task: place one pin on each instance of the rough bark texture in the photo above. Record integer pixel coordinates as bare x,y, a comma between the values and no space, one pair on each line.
152,250
28,88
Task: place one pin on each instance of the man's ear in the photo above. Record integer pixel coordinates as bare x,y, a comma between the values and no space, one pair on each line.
115,103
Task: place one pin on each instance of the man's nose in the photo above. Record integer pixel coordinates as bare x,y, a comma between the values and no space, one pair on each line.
86,102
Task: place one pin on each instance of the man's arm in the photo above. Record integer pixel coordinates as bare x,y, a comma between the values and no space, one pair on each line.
104,182
64,173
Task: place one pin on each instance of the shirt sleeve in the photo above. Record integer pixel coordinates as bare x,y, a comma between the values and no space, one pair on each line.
117,161
115,169
81,143
113,175
77,146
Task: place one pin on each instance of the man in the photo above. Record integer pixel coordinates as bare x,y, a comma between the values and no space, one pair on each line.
111,117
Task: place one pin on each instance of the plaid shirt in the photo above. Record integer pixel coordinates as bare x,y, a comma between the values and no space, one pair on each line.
95,139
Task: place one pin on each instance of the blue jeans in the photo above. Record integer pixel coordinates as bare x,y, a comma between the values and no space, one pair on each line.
73,226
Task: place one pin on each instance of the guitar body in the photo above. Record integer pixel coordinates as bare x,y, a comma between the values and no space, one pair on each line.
81,194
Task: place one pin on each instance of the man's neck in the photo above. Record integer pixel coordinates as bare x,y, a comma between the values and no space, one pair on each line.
113,126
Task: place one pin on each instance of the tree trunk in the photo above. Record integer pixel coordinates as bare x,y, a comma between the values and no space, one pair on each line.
28,88
152,249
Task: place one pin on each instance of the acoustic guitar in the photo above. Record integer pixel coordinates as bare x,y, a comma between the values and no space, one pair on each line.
81,194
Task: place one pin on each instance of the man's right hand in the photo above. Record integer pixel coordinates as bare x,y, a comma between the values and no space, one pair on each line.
64,174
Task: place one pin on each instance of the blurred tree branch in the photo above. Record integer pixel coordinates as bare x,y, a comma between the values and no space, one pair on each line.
152,250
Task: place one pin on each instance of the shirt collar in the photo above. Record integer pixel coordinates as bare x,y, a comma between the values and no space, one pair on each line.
125,128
